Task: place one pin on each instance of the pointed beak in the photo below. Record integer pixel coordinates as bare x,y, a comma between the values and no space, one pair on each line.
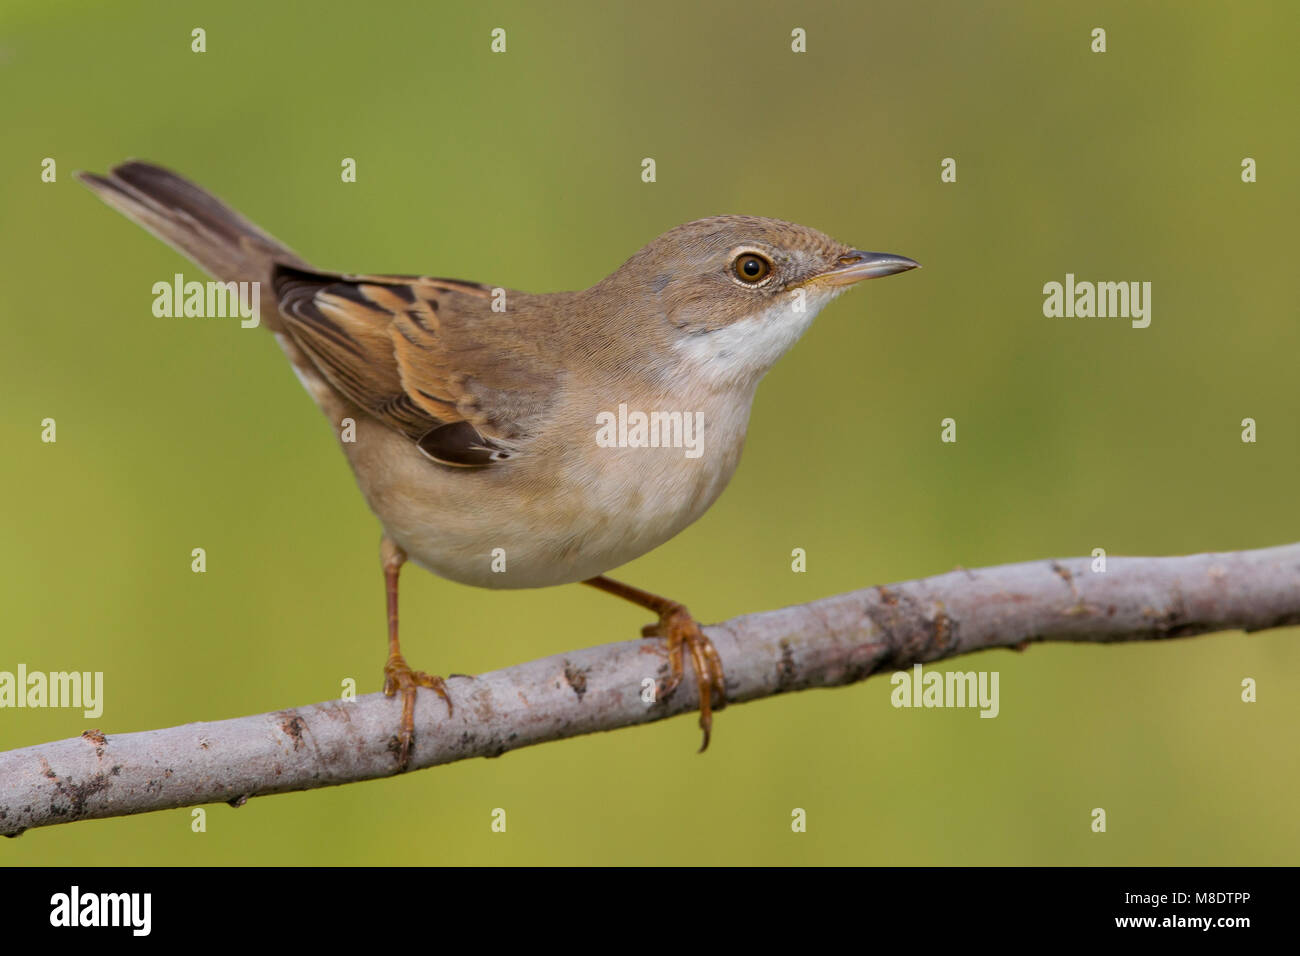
858,265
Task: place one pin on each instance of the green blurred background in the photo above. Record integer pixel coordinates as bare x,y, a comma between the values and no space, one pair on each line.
523,169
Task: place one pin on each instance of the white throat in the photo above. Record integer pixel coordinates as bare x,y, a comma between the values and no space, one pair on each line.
741,353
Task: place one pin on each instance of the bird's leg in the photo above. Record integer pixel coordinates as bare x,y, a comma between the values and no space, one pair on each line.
398,675
680,630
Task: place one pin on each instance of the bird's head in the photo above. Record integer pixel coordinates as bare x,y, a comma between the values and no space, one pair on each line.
736,292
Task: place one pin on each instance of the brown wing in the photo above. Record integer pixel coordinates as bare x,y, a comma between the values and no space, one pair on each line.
424,356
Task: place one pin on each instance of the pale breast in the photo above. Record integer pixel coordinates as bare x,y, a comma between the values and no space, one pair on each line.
595,492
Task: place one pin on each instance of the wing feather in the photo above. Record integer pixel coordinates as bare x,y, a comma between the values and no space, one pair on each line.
420,355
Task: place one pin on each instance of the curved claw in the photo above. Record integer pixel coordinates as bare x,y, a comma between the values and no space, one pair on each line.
683,632
398,676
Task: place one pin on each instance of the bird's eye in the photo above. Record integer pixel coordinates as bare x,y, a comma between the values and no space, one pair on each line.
751,267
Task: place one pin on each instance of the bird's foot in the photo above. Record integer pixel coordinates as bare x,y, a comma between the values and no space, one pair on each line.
682,632
398,677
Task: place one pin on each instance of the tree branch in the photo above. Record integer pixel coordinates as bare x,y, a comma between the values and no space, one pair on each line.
833,641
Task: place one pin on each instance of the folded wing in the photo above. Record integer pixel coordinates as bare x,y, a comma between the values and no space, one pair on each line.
424,356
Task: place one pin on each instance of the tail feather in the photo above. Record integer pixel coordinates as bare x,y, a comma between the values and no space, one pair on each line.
193,222
220,241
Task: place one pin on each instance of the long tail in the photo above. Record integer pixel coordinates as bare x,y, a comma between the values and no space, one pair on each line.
194,223
220,241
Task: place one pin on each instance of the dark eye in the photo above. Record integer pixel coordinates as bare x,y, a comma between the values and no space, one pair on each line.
751,267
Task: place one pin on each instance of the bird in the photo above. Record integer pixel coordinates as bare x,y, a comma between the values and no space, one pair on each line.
513,440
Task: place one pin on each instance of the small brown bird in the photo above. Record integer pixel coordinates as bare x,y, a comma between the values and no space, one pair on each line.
509,440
